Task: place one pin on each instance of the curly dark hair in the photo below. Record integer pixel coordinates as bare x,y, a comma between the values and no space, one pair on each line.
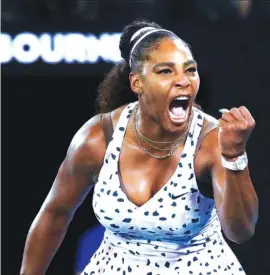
114,91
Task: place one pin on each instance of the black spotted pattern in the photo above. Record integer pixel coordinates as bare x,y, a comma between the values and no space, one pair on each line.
140,240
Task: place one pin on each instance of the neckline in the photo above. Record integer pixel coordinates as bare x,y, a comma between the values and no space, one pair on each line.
176,171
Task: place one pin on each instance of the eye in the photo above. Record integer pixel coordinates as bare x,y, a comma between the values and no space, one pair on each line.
165,71
192,69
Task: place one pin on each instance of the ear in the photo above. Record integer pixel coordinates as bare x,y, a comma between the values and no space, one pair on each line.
135,83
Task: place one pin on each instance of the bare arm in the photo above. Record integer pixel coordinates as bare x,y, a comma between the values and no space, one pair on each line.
71,185
235,197
236,200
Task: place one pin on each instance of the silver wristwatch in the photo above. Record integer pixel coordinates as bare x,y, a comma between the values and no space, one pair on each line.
238,165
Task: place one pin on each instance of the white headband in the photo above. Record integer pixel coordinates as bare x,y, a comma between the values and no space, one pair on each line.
151,30
140,31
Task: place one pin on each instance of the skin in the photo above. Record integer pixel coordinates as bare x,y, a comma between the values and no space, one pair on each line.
234,195
169,73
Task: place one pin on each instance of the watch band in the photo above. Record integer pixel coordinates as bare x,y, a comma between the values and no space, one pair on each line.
238,165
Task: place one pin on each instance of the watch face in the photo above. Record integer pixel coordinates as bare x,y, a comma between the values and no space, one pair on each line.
242,163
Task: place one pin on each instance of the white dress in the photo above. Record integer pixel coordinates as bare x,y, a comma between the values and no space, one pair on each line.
176,232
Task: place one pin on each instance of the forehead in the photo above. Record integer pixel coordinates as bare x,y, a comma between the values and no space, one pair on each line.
169,49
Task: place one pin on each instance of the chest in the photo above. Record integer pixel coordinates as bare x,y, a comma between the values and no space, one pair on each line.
142,176
155,201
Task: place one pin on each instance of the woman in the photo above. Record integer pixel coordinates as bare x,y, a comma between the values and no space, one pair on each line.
147,194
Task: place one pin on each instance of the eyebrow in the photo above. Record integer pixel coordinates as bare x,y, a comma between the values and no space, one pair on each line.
190,62
172,64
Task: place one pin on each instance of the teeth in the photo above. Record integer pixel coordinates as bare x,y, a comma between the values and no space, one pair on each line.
181,98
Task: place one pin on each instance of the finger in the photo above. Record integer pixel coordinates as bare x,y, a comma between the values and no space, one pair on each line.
236,125
227,117
245,112
222,123
247,115
223,110
237,114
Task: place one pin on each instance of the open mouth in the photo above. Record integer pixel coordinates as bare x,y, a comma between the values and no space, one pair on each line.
178,108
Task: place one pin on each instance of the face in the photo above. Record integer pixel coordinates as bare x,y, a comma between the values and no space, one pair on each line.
169,81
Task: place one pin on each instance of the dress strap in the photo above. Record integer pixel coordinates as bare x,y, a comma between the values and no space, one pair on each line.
195,130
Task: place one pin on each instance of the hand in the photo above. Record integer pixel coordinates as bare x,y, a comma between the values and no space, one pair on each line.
235,127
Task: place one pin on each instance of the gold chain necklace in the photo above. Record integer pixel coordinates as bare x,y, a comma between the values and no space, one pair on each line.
171,148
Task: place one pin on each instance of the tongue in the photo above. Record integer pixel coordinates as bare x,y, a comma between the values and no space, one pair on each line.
178,111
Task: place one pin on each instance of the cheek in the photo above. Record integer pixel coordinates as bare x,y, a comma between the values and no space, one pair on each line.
157,87
163,85
196,84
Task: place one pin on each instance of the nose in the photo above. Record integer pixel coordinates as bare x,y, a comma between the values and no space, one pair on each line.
182,82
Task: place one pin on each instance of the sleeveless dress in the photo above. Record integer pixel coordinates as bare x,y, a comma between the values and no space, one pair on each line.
176,232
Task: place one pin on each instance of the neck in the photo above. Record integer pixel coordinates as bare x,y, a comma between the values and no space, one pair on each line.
154,130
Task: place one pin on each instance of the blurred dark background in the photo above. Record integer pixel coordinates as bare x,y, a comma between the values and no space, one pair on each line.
43,104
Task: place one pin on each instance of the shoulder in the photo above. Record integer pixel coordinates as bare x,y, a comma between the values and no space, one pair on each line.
88,146
115,115
209,134
210,123
207,143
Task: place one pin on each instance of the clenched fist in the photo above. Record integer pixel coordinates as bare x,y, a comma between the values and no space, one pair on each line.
235,127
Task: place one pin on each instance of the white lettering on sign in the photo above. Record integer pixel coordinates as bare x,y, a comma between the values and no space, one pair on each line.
56,48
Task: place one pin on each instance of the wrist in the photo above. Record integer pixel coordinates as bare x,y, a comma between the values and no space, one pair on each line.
234,157
237,164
